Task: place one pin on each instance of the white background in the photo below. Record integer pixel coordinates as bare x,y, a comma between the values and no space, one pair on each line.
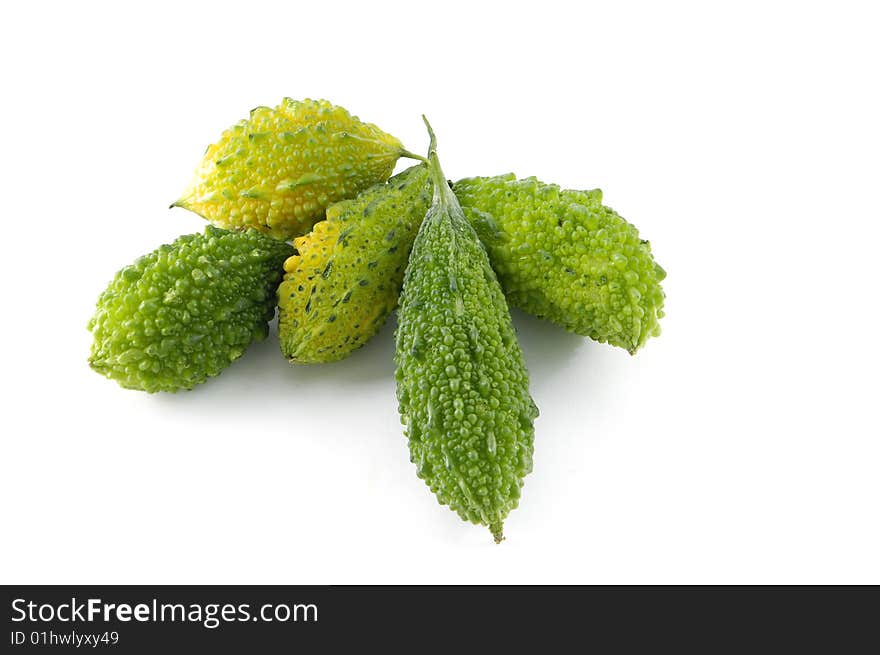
740,447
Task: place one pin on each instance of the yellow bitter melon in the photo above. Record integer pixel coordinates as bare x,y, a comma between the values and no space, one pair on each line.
345,279
280,169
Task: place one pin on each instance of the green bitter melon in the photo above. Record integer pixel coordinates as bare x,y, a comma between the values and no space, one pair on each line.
462,384
562,255
187,310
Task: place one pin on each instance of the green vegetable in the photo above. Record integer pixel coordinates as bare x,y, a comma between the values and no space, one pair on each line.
187,310
563,256
560,255
462,384
278,170
346,278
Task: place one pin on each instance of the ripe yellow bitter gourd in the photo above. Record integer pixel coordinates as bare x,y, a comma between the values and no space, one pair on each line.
281,168
345,280
462,384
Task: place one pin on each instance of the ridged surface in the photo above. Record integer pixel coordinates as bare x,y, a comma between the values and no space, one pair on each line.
345,280
187,310
462,384
278,170
562,255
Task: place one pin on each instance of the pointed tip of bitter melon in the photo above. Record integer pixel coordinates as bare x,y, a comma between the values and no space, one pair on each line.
497,532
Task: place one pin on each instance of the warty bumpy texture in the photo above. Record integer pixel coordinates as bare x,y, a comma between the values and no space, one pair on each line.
462,384
563,256
187,310
560,255
278,170
345,280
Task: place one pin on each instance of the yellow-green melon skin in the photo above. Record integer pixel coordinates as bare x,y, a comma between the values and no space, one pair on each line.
281,168
346,276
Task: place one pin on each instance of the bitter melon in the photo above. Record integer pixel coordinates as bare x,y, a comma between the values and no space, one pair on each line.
562,255
279,170
345,279
462,384
187,310
559,255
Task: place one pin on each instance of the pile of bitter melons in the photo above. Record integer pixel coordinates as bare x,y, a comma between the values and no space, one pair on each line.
452,256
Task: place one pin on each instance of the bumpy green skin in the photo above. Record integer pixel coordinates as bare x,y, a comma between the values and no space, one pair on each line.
339,289
563,256
462,384
560,255
187,310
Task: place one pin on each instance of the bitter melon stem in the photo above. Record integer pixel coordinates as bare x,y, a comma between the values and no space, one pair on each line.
432,146
412,155
442,192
